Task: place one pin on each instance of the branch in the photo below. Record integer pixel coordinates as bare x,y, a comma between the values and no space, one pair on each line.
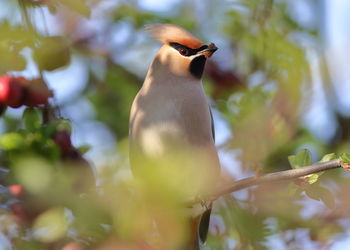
277,176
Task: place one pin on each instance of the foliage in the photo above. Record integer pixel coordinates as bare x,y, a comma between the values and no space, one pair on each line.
48,195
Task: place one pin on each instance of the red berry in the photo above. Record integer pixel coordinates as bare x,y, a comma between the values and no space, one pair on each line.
37,93
5,89
16,190
10,91
62,139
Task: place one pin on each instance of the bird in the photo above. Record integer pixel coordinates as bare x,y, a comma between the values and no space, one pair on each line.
171,128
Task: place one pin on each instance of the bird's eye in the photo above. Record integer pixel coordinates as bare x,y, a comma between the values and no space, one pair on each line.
183,51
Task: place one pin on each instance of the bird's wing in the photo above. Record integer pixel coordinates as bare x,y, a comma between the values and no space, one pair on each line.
205,218
212,124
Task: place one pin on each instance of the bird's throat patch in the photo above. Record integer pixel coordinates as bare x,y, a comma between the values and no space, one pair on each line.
197,66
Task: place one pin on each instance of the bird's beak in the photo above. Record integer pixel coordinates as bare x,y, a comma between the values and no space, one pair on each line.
208,52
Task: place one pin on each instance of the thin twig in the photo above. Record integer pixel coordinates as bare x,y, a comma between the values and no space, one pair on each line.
275,177
26,20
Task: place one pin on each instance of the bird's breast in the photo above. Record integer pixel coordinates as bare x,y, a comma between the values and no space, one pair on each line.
156,139
165,117
171,128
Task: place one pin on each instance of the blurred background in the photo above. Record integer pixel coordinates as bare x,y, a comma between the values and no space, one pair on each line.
278,84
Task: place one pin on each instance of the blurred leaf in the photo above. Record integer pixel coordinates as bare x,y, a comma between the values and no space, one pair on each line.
84,149
78,6
312,192
301,159
249,226
21,243
51,225
11,61
52,53
293,189
11,141
327,197
52,9
328,157
63,124
320,193
345,157
313,178
48,130
36,174
32,119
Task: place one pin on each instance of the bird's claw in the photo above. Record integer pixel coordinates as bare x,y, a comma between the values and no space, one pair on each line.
203,203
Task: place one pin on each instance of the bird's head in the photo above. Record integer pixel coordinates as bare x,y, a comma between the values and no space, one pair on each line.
182,53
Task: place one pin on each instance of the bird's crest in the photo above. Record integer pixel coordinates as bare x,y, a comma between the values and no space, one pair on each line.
167,33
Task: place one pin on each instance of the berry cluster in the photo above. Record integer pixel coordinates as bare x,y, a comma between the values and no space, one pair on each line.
24,203
18,91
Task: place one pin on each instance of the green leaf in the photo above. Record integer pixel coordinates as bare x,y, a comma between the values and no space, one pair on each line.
327,197
32,119
64,124
48,130
11,61
293,189
51,225
345,157
328,157
84,149
35,173
313,178
320,193
53,53
301,159
11,141
249,226
312,192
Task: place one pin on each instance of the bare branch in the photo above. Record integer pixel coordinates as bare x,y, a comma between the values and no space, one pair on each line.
274,177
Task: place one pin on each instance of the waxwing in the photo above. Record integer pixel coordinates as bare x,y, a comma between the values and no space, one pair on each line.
171,134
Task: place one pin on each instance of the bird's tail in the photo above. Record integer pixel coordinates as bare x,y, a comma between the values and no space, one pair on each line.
199,230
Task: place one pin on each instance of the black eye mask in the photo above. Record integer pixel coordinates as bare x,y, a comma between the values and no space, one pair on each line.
186,51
